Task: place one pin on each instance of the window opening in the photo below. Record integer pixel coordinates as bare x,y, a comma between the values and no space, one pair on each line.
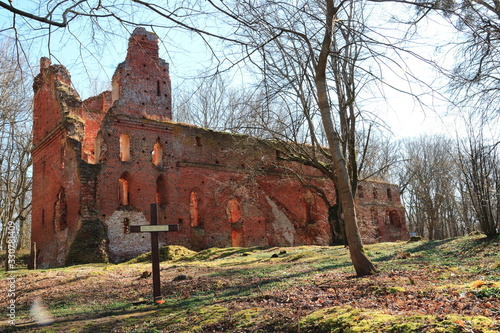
360,192
124,191
374,216
198,141
60,211
234,210
310,205
157,153
97,147
115,91
193,209
124,148
394,218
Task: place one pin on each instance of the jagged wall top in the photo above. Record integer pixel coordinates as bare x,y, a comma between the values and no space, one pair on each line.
55,99
141,84
140,42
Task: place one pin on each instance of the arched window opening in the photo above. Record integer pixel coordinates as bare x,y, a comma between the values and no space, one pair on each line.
161,191
124,148
375,193
157,154
233,210
194,209
389,194
124,195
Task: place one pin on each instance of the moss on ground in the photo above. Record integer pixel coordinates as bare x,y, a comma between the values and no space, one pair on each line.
346,319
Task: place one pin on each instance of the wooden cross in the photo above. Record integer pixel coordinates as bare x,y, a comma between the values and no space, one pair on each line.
154,229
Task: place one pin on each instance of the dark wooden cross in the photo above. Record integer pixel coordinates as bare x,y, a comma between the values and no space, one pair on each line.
154,229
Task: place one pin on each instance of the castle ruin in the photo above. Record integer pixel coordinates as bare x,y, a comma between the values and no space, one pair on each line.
99,163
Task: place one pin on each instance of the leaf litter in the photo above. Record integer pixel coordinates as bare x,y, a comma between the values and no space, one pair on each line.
436,286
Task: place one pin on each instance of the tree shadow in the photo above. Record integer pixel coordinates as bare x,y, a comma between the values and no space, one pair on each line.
100,322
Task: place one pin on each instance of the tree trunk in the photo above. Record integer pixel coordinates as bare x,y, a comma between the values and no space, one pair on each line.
361,263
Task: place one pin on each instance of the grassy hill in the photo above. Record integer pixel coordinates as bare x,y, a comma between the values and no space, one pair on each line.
451,285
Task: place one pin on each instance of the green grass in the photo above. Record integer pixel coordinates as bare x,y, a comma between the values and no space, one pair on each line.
421,287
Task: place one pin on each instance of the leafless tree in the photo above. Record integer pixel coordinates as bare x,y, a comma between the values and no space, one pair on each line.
379,155
15,146
308,55
432,195
474,79
479,162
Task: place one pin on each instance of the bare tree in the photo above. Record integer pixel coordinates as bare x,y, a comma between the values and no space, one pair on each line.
15,146
214,102
432,195
479,161
307,56
473,76
379,156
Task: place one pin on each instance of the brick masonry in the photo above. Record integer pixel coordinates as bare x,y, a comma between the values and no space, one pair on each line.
99,163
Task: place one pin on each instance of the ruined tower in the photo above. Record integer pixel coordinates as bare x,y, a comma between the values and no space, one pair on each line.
141,84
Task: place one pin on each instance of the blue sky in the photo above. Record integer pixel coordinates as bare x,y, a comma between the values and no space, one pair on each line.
93,59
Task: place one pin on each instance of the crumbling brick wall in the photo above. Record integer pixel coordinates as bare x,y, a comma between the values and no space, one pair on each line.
98,164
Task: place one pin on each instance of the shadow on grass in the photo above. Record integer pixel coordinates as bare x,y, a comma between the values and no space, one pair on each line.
98,322
476,245
255,285
220,253
429,247
69,281
437,250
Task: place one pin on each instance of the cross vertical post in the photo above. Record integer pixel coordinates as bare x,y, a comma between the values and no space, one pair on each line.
155,255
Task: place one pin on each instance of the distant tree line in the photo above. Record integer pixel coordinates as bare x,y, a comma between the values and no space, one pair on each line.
450,186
